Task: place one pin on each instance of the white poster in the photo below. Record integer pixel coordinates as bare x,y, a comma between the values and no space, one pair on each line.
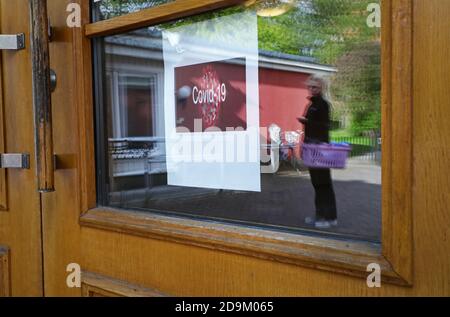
211,107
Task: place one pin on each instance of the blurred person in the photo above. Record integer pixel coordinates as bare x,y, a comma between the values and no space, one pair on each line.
317,130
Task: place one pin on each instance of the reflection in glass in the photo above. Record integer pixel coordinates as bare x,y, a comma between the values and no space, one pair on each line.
296,40
107,9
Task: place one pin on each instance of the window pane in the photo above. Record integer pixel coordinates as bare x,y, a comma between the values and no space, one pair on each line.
292,92
107,9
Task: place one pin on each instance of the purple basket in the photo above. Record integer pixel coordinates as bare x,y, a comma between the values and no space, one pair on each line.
325,155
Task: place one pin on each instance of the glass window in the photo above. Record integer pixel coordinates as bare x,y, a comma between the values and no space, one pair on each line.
107,9
265,114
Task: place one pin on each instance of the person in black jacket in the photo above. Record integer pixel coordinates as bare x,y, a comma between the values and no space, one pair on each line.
317,130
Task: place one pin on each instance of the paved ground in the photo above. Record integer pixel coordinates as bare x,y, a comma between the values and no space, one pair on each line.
286,199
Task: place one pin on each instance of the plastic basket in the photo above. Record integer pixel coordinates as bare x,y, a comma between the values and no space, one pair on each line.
324,155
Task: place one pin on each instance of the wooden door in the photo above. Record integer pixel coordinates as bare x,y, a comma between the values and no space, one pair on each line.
128,253
20,212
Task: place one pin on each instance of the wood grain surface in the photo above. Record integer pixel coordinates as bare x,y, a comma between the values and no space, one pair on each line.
20,227
178,258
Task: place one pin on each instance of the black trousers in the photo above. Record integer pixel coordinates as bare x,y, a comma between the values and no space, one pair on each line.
325,199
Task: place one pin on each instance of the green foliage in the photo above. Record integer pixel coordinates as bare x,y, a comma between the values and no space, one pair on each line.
324,28
335,32
357,86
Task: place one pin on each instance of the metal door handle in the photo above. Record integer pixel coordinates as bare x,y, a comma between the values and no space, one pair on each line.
12,42
42,101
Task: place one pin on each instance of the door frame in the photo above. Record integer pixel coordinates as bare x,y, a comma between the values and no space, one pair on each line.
395,255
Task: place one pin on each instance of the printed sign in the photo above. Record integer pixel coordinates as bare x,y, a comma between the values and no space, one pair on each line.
211,103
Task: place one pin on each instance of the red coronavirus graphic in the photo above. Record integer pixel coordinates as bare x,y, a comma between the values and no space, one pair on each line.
211,94
211,99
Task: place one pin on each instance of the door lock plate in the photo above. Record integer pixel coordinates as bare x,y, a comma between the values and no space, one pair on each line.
12,42
20,161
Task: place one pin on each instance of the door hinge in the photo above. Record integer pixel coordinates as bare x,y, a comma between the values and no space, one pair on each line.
20,161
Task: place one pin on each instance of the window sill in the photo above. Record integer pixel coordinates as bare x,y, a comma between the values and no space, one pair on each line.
346,257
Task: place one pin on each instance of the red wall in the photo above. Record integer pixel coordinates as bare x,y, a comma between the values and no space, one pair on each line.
282,99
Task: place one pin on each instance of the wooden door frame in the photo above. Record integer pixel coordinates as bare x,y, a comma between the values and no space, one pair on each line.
395,256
